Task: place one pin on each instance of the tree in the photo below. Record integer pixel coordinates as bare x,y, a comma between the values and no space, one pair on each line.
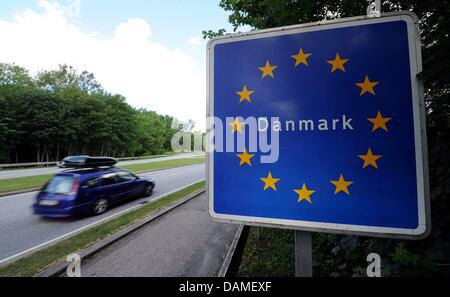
11,74
66,78
400,257
42,110
3,129
152,134
63,112
169,132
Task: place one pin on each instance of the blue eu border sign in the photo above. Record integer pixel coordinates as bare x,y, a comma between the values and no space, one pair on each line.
346,99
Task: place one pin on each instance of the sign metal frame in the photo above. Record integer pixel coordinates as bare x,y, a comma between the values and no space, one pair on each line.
421,150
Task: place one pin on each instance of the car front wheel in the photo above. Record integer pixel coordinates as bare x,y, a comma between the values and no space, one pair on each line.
100,206
148,191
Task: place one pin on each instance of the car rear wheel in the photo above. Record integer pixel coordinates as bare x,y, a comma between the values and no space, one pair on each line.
148,191
100,206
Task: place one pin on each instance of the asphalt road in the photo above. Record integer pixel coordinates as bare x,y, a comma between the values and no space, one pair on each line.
52,170
184,242
20,230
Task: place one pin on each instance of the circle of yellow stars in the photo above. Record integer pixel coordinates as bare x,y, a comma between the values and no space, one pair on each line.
367,87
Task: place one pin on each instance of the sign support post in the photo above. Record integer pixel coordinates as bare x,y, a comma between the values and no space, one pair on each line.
303,254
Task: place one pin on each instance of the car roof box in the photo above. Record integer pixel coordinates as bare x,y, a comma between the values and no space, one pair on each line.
89,162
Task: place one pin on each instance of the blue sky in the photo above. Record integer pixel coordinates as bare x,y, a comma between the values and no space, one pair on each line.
172,20
120,42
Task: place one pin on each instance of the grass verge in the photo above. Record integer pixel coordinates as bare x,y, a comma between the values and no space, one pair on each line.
271,254
38,261
23,183
53,166
163,164
31,182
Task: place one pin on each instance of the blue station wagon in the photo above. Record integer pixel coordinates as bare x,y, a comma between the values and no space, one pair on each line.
89,191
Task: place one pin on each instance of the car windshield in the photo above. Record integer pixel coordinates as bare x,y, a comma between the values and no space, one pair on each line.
59,185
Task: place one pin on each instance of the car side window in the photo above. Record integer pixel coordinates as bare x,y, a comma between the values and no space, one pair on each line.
126,176
110,179
91,183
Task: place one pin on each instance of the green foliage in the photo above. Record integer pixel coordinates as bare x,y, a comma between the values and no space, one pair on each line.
336,255
11,74
344,255
63,112
211,34
152,132
66,78
268,254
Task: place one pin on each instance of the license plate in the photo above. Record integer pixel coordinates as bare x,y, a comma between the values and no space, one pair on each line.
48,202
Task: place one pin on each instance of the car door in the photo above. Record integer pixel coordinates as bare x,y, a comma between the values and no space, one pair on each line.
130,187
90,190
111,187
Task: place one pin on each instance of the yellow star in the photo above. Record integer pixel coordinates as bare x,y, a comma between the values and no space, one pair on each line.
342,185
245,158
304,194
370,159
270,182
267,70
301,58
367,86
338,63
379,122
245,94
236,126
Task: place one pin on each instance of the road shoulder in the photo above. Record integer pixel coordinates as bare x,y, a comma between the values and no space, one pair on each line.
183,242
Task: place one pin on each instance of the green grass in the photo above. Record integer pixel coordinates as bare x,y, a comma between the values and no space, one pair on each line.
23,183
38,261
269,255
163,164
31,182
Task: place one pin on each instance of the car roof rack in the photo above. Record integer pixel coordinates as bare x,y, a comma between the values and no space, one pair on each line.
88,169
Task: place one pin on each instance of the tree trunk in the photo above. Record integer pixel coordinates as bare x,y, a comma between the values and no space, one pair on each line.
8,155
57,151
38,153
70,150
44,150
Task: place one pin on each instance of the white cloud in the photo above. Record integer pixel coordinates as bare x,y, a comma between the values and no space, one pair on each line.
134,30
147,73
194,41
